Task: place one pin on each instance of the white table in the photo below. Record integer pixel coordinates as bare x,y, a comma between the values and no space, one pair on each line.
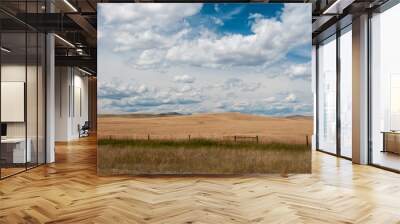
19,153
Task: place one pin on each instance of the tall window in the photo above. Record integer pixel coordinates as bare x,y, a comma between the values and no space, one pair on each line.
327,95
385,84
346,92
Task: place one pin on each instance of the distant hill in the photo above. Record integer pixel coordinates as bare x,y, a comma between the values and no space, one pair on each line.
141,115
228,114
299,117
171,114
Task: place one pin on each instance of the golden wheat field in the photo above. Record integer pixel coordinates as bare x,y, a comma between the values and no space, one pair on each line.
160,144
210,126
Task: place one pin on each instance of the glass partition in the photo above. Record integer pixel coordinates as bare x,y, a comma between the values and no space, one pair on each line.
14,154
31,99
23,91
327,95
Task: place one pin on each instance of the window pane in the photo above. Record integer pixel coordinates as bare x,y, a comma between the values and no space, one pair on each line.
386,89
327,96
346,94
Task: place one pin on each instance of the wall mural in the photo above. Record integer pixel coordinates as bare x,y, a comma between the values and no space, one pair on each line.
204,88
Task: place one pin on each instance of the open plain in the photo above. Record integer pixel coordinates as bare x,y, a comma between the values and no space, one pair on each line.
293,129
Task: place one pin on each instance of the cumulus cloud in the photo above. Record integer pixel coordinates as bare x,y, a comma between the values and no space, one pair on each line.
158,34
128,97
141,16
217,21
207,67
240,85
278,109
291,98
116,90
131,97
184,79
268,43
299,71
276,105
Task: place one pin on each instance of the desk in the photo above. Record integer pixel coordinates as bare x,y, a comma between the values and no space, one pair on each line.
391,141
15,148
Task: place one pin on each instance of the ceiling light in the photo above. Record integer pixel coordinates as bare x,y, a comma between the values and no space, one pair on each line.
333,6
84,71
70,5
337,7
5,50
65,41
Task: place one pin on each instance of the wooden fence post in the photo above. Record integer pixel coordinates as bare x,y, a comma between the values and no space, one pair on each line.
148,137
234,137
189,137
257,138
307,141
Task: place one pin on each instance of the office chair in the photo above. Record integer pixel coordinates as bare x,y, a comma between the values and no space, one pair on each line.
84,130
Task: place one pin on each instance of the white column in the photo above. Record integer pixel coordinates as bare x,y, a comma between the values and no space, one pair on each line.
360,90
50,99
314,91
50,92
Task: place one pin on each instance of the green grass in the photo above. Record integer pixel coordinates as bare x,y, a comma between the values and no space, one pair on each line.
200,143
200,156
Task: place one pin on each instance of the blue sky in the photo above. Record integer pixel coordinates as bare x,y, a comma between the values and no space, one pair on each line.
198,58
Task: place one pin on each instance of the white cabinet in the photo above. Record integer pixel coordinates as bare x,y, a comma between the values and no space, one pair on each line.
19,155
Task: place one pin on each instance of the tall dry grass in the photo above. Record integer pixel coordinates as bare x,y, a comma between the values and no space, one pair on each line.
200,156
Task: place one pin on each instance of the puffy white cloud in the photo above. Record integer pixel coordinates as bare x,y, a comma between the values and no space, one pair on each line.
159,35
140,16
117,90
217,21
162,39
276,105
184,79
130,96
186,88
291,98
299,71
270,42
256,16
237,84
270,99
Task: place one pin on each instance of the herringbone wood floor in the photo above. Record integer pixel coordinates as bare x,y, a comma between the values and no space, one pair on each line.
70,192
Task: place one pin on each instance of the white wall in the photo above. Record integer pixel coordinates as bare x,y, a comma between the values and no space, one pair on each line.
17,73
62,81
71,87
33,126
